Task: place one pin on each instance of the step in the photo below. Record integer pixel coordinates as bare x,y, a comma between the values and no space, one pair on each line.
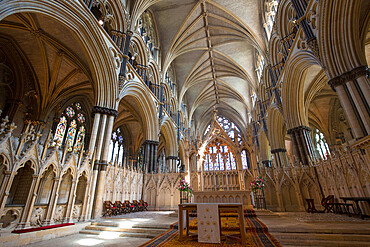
275,230
138,225
123,234
132,230
328,237
323,243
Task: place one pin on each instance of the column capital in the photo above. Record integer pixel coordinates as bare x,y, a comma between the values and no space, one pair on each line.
349,76
172,158
151,142
297,129
104,110
278,150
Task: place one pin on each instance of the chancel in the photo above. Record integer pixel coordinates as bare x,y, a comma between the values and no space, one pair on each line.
125,119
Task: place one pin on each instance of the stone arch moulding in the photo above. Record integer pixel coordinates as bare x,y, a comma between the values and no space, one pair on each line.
77,19
148,109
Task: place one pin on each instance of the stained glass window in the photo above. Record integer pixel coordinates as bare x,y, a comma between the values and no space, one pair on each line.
321,145
228,167
70,112
78,106
206,161
116,148
244,160
231,129
80,139
59,133
71,135
232,161
80,117
217,157
221,161
71,130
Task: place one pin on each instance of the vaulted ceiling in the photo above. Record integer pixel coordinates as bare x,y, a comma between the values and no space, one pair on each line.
211,46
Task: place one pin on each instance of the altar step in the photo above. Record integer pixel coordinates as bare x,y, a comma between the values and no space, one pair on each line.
142,230
323,238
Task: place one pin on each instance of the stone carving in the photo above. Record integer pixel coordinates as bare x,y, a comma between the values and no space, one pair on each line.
37,216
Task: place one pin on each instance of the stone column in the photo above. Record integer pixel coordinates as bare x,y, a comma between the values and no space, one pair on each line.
280,157
103,167
24,221
302,144
71,202
48,220
354,92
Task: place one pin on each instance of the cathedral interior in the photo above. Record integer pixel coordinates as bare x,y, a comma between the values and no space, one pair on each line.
114,100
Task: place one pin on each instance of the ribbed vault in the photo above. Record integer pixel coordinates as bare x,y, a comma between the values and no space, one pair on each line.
211,47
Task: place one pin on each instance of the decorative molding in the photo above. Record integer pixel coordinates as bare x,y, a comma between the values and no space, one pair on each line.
172,158
349,76
104,110
278,150
297,129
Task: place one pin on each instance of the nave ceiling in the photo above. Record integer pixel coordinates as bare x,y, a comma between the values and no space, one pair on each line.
211,48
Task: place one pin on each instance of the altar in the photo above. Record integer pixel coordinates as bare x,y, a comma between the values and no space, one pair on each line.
238,207
233,196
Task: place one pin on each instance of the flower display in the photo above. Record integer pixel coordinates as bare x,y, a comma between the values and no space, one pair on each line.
257,184
185,187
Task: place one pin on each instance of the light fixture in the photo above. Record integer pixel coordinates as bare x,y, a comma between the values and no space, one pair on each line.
101,22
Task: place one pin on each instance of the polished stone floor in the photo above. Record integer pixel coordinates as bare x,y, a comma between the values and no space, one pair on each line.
291,228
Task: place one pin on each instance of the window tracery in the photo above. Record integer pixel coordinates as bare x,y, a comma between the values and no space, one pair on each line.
71,128
117,146
321,145
270,13
231,129
218,157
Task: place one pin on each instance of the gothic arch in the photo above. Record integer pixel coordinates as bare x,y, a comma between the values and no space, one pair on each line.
169,131
147,108
99,58
292,94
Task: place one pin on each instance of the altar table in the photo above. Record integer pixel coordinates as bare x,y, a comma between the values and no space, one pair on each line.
238,207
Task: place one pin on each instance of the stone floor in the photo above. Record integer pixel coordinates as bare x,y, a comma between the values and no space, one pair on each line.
112,238
291,228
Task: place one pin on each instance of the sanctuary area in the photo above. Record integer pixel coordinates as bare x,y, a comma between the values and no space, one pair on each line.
184,122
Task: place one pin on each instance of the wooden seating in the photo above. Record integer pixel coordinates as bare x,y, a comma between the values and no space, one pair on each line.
328,204
138,205
132,206
311,207
121,207
110,209
145,205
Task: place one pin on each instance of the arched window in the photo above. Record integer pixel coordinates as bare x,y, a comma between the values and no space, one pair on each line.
270,13
116,146
231,129
321,145
260,62
218,157
245,160
71,128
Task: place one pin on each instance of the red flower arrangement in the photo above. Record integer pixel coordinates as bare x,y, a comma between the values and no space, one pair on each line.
257,184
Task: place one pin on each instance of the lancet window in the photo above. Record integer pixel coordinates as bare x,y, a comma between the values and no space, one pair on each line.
218,157
321,145
116,146
260,62
231,129
71,128
245,159
270,13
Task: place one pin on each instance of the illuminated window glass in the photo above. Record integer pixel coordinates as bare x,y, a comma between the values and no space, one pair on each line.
71,130
78,106
61,129
321,145
80,138
71,135
218,157
231,129
244,160
232,161
70,112
80,117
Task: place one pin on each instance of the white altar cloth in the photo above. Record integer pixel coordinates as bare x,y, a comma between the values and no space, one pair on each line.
208,223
